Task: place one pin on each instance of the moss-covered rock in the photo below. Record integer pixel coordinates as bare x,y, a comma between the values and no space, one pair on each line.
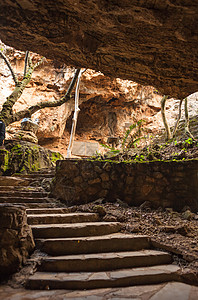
4,159
27,136
25,157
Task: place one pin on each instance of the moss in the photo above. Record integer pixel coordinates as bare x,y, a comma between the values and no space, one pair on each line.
25,157
55,156
4,160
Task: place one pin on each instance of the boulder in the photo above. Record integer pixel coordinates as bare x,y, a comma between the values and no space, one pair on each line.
27,136
29,125
25,157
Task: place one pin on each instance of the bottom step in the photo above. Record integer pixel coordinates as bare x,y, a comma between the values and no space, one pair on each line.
88,280
104,261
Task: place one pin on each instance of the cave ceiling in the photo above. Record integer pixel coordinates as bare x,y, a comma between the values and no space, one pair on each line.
153,42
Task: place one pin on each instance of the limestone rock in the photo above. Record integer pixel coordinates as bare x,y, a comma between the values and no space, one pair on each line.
28,136
16,240
150,42
29,125
102,99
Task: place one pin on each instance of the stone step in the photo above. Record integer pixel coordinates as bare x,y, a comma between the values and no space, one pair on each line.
23,200
62,218
35,176
30,205
104,261
75,230
95,244
17,193
21,189
45,171
48,211
13,181
118,278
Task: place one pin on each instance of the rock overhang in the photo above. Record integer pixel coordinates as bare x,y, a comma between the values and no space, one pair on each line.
151,42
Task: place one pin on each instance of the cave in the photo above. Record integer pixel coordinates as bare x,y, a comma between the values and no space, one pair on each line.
99,223
150,42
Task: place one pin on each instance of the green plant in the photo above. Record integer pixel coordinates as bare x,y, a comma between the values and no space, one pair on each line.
133,135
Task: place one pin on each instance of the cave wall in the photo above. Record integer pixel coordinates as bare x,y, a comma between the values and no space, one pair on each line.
102,99
152,42
130,101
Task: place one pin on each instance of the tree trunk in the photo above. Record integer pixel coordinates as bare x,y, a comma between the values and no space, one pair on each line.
6,113
167,128
187,129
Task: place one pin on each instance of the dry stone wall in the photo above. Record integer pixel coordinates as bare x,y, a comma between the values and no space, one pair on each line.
16,240
166,184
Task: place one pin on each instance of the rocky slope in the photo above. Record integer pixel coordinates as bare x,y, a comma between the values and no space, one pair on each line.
150,42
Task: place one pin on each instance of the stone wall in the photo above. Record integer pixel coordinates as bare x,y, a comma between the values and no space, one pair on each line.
16,240
166,184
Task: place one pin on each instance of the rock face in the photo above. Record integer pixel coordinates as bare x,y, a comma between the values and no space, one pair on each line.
150,42
25,157
16,240
102,99
107,105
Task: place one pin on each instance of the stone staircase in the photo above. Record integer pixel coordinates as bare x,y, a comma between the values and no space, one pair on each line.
22,190
81,252
78,251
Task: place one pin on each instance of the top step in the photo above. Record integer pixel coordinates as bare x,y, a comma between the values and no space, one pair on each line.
62,218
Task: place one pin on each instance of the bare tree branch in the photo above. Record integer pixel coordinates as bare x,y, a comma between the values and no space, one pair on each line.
31,110
10,67
6,113
29,61
26,62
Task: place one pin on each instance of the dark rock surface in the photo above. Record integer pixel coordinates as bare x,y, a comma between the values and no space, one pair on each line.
151,42
16,240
